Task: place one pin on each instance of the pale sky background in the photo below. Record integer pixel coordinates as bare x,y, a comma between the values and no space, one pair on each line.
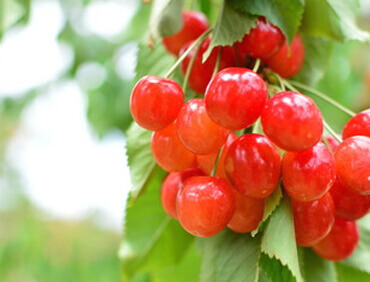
65,170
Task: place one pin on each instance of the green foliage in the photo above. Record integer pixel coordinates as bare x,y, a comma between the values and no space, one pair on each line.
315,268
346,273
12,13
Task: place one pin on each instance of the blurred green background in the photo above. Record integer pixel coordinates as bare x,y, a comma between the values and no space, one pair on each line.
98,40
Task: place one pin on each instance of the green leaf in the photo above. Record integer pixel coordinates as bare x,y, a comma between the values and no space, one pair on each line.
286,14
230,256
152,240
348,274
271,204
333,19
165,19
317,269
231,27
317,58
140,159
278,240
361,257
275,270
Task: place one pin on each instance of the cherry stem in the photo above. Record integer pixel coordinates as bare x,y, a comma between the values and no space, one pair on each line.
215,165
323,96
183,56
257,65
332,132
282,85
217,65
190,67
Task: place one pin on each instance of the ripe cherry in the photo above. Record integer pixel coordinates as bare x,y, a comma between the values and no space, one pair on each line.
313,220
194,24
201,73
206,162
348,204
288,61
292,121
262,41
205,205
248,213
169,152
353,164
358,125
197,131
332,143
252,165
340,242
308,175
172,185
235,98
155,102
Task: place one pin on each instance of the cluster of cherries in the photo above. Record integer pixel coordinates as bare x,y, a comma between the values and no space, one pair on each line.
328,182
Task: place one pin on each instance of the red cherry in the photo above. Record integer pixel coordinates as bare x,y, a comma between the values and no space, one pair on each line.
156,102
248,213
205,205
288,61
252,164
197,131
235,98
262,41
353,164
332,142
292,121
348,204
201,73
313,220
358,125
172,185
194,24
340,243
169,152
309,174
206,162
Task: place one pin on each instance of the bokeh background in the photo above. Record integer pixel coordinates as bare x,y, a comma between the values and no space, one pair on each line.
66,71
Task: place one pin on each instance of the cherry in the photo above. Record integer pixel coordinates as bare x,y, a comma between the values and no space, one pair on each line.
348,204
288,61
358,125
252,165
353,164
248,213
308,175
340,242
262,41
194,24
206,162
201,73
205,205
313,220
155,102
169,152
292,121
332,143
172,185
235,98
197,131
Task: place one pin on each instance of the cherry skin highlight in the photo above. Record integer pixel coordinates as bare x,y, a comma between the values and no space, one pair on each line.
194,24
353,164
206,162
287,61
205,205
169,152
156,102
197,132
313,220
252,165
349,205
292,121
201,73
358,125
262,41
248,213
308,175
172,185
341,241
235,98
